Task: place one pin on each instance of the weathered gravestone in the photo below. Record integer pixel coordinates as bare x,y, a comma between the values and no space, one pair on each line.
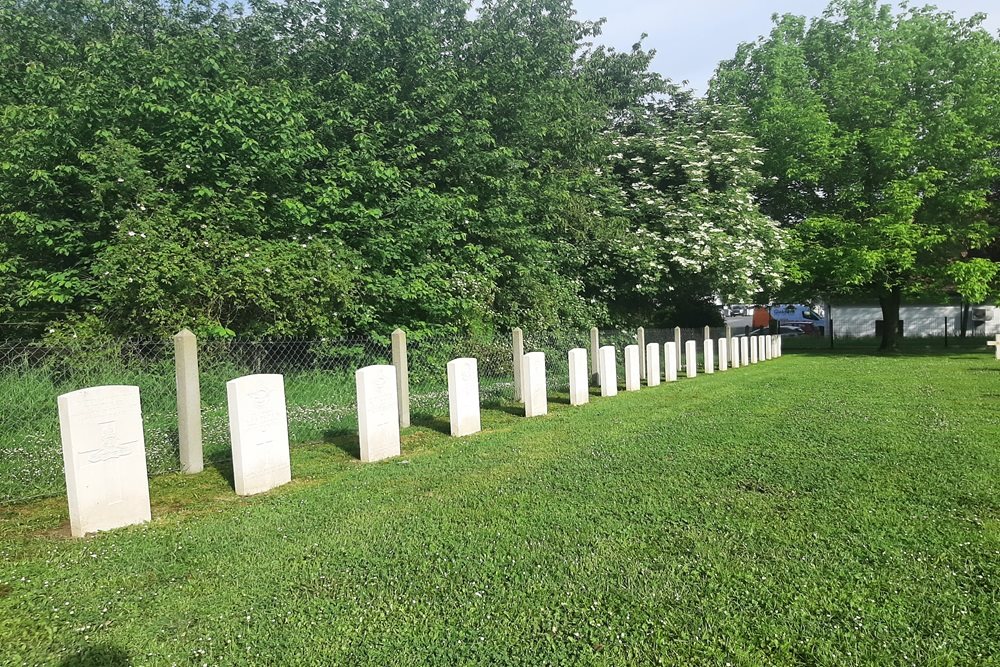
753,349
641,340
670,359
652,365
632,380
723,354
708,347
258,430
744,351
995,344
518,353
691,357
579,392
533,384
104,458
463,396
378,417
734,352
595,363
762,342
609,371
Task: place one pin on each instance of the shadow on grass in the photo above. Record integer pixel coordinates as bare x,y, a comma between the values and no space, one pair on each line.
223,462
516,410
433,423
102,655
563,400
345,439
913,347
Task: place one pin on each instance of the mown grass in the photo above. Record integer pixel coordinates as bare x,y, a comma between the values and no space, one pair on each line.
822,508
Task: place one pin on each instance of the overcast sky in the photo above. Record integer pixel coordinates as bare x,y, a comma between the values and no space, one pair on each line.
692,36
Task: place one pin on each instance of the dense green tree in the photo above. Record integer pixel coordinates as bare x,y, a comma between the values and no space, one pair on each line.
308,168
316,167
881,137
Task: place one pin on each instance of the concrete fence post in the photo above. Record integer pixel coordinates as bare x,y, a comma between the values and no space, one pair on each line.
641,335
402,365
188,401
518,354
595,362
708,332
678,346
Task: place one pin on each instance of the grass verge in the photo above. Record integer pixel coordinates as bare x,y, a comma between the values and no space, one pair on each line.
827,508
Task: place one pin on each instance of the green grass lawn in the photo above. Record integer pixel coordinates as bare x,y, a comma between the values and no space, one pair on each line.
822,508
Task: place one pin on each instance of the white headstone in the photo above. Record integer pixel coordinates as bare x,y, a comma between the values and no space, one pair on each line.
463,396
753,349
691,356
723,354
670,358
709,355
633,381
995,344
734,352
609,371
579,381
762,344
104,458
652,365
378,413
258,431
744,351
533,386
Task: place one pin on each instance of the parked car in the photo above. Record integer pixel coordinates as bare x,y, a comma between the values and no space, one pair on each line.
737,309
782,331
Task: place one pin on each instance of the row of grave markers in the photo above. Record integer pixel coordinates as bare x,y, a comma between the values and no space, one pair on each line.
104,450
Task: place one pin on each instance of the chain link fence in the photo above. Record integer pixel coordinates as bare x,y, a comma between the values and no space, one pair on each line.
34,373
319,388
318,377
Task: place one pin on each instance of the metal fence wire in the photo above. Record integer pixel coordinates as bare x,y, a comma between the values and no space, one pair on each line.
319,384
34,373
318,378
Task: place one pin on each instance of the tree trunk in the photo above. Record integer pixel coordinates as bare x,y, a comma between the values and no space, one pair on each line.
965,317
889,301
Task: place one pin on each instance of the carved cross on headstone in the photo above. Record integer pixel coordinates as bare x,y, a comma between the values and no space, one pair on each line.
995,344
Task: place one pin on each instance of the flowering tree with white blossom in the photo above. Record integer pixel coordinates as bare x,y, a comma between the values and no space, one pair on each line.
687,178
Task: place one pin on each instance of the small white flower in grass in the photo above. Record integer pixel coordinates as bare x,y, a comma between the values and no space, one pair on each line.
121,180
267,270
131,233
